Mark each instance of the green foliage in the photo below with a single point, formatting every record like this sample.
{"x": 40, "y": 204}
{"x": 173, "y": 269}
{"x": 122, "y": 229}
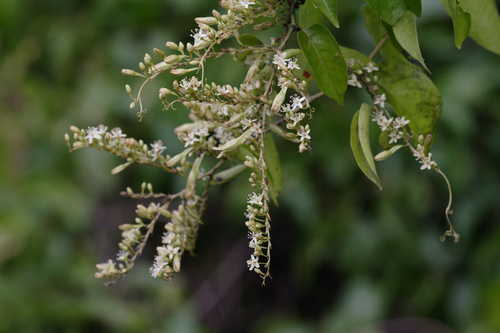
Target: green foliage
{"x": 58, "y": 211}
{"x": 405, "y": 31}
{"x": 325, "y": 58}
{"x": 360, "y": 144}
{"x": 329, "y": 8}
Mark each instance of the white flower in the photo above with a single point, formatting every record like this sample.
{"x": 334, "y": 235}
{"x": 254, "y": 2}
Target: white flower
{"x": 371, "y": 67}
{"x": 156, "y": 149}
{"x": 167, "y": 251}
{"x": 191, "y": 84}
{"x": 250, "y": 213}
{"x": 246, "y": 3}
{"x": 167, "y": 237}
{"x": 292, "y": 64}
{"x": 382, "y": 121}
{"x": 253, "y": 243}
{"x": 255, "y": 199}
{"x": 116, "y": 133}
{"x": 106, "y": 269}
{"x": 427, "y": 162}
{"x": 279, "y": 60}
{"x": 303, "y": 133}
{"x": 158, "y": 267}
{"x": 298, "y": 102}
{"x": 131, "y": 235}
{"x": 296, "y": 117}
{"x": 200, "y": 36}
{"x": 95, "y": 133}
{"x": 400, "y": 122}
{"x": 395, "y": 136}
{"x": 353, "y": 81}
{"x": 253, "y": 263}
{"x": 380, "y": 100}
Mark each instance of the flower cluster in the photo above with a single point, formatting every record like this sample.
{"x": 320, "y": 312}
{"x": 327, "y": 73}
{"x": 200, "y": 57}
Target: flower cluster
{"x": 179, "y": 236}
{"x": 117, "y": 143}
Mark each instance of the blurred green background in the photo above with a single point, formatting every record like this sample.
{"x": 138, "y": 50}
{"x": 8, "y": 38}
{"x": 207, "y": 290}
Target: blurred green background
{"x": 346, "y": 257}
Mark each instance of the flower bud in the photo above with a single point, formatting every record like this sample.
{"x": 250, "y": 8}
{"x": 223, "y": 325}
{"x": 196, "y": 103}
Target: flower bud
{"x": 131, "y": 73}
{"x": 279, "y": 99}
{"x": 206, "y": 20}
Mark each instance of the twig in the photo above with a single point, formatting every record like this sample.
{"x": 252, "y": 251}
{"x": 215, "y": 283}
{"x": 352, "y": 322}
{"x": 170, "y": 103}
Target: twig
{"x": 378, "y": 46}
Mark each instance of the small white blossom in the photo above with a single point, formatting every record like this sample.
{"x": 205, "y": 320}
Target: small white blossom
{"x": 246, "y": 3}
{"x": 395, "y": 136}
{"x": 380, "y": 100}
{"x": 253, "y": 263}
{"x": 353, "y": 81}
{"x": 200, "y": 36}
{"x": 255, "y": 199}
{"x": 156, "y": 149}
{"x": 298, "y": 102}
{"x": 303, "y": 133}
{"x": 371, "y": 67}
{"x": 167, "y": 251}
{"x": 116, "y": 133}
{"x": 427, "y": 162}
{"x": 400, "y": 122}
{"x": 95, "y": 133}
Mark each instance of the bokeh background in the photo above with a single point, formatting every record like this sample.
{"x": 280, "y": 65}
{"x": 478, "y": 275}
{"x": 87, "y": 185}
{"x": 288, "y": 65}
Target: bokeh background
{"x": 347, "y": 258}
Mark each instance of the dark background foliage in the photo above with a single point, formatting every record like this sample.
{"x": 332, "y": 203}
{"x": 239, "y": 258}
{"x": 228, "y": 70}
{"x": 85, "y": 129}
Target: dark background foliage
{"x": 347, "y": 258}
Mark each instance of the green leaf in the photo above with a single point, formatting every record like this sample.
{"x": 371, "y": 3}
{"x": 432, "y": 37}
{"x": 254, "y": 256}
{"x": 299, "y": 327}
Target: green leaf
{"x": 390, "y": 50}
{"x": 485, "y": 23}
{"x": 406, "y": 34}
{"x": 309, "y": 15}
{"x": 408, "y": 89}
{"x": 357, "y": 59}
{"x": 328, "y": 65}
{"x": 329, "y": 8}
{"x": 389, "y": 10}
{"x": 412, "y": 95}
{"x": 272, "y": 158}
{"x": 249, "y": 40}
{"x": 415, "y": 6}
{"x": 360, "y": 144}
{"x": 461, "y": 22}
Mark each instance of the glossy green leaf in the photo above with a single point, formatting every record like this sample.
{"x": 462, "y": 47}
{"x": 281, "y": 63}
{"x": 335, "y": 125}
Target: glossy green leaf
{"x": 329, "y": 8}
{"x": 309, "y": 15}
{"x": 485, "y": 23}
{"x": 272, "y": 158}
{"x": 360, "y": 145}
{"x": 406, "y": 34}
{"x": 415, "y": 6}
{"x": 325, "y": 58}
{"x": 389, "y": 10}
{"x": 412, "y": 94}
